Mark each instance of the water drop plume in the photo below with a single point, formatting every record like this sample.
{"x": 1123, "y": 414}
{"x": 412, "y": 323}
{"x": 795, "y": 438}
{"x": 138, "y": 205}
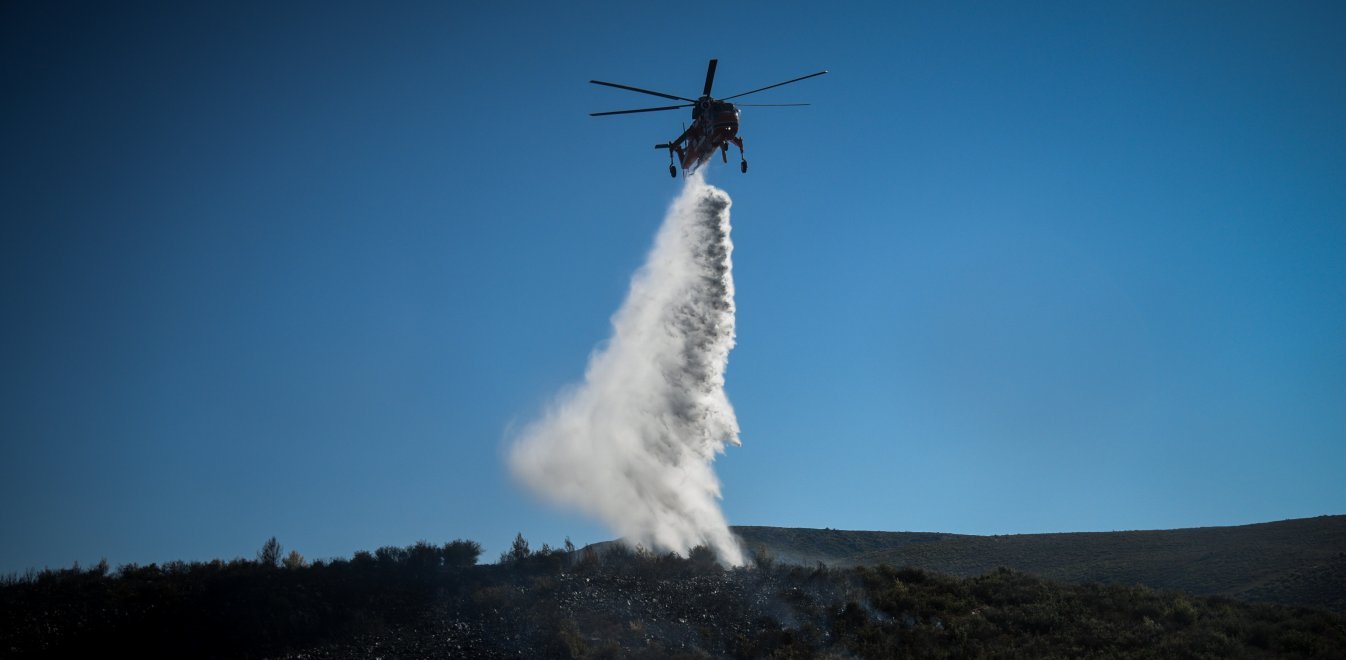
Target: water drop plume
{"x": 634, "y": 442}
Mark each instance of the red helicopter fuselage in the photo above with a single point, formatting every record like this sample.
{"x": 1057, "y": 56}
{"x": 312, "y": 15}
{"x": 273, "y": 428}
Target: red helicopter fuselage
{"x": 714, "y": 128}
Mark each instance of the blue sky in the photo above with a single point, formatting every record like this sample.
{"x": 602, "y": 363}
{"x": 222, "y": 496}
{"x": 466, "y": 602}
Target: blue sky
{"x": 296, "y": 269}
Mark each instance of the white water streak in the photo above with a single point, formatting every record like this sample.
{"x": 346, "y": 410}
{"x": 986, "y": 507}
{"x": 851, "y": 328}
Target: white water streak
{"x": 633, "y": 444}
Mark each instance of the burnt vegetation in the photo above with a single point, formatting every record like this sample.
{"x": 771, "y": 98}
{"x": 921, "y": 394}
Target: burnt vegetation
{"x": 430, "y": 600}
{"x": 1298, "y": 562}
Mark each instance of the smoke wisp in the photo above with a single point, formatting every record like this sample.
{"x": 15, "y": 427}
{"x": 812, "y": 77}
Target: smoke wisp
{"x": 634, "y": 442}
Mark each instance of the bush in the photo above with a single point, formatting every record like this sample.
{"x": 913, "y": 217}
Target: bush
{"x": 461, "y": 554}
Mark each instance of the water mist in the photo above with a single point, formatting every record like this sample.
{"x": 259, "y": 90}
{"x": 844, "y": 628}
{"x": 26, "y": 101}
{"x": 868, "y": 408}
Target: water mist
{"x": 634, "y": 442}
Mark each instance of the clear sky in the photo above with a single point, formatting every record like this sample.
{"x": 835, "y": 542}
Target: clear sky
{"x": 296, "y": 269}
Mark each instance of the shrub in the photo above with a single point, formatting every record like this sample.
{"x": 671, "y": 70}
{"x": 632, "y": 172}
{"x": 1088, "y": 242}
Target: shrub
{"x": 461, "y": 554}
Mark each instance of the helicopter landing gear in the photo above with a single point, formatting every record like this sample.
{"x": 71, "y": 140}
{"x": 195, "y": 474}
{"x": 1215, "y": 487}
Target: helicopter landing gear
{"x": 673, "y": 171}
{"x": 724, "y": 151}
{"x": 743, "y": 160}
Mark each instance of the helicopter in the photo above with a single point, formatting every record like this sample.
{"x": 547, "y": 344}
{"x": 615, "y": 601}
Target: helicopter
{"x": 714, "y": 123}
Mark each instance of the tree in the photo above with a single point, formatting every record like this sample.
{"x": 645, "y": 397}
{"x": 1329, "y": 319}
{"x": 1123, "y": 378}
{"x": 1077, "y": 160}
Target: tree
{"x": 422, "y": 555}
{"x": 518, "y": 551}
{"x": 702, "y": 557}
{"x": 391, "y": 555}
{"x": 295, "y": 560}
{"x": 762, "y": 558}
{"x": 461, "y": 554}
{"x": 269, "y": 555}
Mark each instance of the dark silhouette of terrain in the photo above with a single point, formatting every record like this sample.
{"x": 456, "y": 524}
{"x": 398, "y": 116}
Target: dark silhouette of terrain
{"x": 1291, "y": 562}
{"x": 434, "y": 601}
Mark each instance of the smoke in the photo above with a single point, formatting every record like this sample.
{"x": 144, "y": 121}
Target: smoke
{"x": 633, "y": 444}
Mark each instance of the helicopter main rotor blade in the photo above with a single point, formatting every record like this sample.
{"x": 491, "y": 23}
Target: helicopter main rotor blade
{"x": 769, "y": 105}
{"x": 642, "y": 91}
{"x": 775, "y": 85}
{"x": 627, "y": 112}
{"x": 710, "y": 77}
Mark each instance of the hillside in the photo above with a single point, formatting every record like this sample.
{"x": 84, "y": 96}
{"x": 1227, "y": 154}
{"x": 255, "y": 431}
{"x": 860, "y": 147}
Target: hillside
{"x": 432, "y": 601}
{"x": 1291, "y": 562}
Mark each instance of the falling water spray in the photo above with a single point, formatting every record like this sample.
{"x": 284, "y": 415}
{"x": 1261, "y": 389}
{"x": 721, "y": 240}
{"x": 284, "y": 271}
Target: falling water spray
{"x": 634, "y": 442}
